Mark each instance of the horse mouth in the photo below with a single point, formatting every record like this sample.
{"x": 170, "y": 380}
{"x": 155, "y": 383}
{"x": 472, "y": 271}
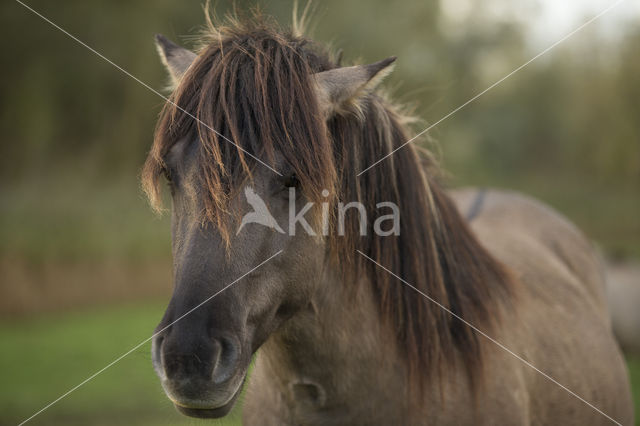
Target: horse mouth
{"x": 206, "y": 410}
{"x": 206, "y": 413}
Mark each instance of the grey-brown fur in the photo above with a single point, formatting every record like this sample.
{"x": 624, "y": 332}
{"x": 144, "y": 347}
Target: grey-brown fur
{"x": 560, "y": 325}
{"x": 342, "y": 341}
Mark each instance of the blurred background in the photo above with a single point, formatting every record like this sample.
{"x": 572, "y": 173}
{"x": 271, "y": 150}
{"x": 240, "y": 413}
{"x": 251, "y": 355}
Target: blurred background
{"x": 85, "y": 266}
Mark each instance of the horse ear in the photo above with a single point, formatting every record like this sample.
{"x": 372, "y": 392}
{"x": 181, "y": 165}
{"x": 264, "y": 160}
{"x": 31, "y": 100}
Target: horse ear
{"x": 177, "y": 59}
{"x": 339, "y": 88}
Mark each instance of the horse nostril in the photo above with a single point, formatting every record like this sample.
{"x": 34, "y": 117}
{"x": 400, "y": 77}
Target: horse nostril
{"x": 157, "y": 346}
{"x": 227, "y": 359}
{"x": 156, "y": 354}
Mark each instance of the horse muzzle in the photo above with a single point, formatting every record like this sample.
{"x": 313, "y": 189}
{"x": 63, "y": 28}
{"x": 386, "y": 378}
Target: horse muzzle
{"x": 202, "y": 377}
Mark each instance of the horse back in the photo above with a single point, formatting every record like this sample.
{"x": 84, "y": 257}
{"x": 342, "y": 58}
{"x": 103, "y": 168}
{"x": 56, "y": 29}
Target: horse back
{"x": 560, "y": 322}
{"x": 509, "y": 215}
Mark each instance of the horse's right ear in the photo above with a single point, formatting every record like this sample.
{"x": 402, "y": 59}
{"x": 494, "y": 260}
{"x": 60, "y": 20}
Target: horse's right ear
{"x": 177, "y": 59}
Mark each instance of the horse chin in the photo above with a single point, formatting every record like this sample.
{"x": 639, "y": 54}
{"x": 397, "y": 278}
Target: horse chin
{"x": 205, "y": 409}
{"x": 207, "y": 413}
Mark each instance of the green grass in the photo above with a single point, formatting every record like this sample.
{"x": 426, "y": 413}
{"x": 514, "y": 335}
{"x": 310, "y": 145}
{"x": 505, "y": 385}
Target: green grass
{"x": 43, "y": 358}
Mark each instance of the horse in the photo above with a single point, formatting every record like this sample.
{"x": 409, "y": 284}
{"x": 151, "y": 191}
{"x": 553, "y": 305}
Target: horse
{"x": 487, "y": 307}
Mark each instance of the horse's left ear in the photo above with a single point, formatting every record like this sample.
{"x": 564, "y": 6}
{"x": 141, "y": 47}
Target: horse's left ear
{"x": 339, "y": 89}
{"x": 177, "y": 59}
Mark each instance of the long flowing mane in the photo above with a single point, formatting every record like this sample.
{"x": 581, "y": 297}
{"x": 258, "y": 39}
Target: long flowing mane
{"x": 252, "y": 83}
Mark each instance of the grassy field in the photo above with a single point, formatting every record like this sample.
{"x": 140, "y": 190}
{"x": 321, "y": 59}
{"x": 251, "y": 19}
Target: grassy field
{"x": 40, "y": 359}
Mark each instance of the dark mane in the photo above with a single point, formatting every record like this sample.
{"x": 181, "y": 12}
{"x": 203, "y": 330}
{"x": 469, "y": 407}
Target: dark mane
{"x": 435, "y": 251}
{"x": 252, "y": 83}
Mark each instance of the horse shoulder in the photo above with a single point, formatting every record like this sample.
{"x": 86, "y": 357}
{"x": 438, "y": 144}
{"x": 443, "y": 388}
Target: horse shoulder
{"x": 507, "y": 217}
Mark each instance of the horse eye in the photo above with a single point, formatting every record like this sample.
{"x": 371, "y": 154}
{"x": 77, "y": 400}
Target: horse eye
{"x": 292, "y": 181}
{"x": 167, "y": 174}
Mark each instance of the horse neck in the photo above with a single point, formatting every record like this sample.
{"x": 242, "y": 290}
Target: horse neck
{"x": 334, "y": 353}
